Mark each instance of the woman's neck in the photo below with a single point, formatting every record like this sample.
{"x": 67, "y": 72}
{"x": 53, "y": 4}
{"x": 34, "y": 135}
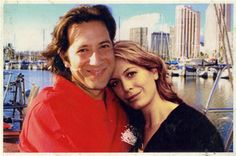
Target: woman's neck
{"x": 155, "y": 112}
{"x": 154, "y": 115}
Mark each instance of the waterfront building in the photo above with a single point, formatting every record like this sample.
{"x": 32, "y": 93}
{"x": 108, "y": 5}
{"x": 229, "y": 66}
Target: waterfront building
{"x": 139, "y": 35}
{"x": 213, "y": 41}
{"x": 187, "y": 32}
{"x": 160, "y": 44}
{"x": 8, "y": 52}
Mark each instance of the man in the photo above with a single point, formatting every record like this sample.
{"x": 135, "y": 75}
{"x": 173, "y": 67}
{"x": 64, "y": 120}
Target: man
{"x": 78, "y": 114}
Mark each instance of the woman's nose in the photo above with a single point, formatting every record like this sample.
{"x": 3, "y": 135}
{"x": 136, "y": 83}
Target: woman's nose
{"x": 127, "y": 85}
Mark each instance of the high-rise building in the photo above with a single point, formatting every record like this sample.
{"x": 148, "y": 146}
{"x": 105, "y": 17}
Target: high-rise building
{"x": 172, "y": 51}
{"x": 187, "y": 32}
{"x": 213, "y": 38}
{"x": 139, "y": 35}
{"x": 160, "y": 44}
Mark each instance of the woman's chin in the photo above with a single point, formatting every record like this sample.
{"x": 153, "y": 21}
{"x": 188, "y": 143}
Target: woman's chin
{"x": 136, "y": 106}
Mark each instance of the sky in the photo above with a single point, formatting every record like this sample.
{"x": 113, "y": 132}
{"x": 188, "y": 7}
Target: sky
{"x": 24, "y": 24}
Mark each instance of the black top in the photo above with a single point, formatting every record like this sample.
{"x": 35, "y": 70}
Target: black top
{"x": 185, "y": 130}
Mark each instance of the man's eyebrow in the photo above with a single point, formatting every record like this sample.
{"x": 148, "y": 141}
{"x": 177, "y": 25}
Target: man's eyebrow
{"x": 83, "y": 46}
{"x": 106, "y": 41}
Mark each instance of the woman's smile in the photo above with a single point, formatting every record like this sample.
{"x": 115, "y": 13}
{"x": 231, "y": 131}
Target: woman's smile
{"x": 133, "y": 97}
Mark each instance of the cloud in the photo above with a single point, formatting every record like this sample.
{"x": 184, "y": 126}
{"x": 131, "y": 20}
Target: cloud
{"x": 27, "y": 37}
{"x": 153, "y": 21}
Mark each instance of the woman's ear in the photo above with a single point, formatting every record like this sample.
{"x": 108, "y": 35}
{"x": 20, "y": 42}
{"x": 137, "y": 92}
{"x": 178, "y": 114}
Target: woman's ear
{"x": 66, "y": 63}
{"x": 155, "y": 73}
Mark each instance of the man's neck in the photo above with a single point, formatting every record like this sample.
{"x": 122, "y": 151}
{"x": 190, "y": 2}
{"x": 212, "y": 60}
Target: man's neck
{"x": 97, "y": 94}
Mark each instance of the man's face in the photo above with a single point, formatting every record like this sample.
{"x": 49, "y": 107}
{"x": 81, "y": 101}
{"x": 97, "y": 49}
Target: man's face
{"x": 90, "y": 55}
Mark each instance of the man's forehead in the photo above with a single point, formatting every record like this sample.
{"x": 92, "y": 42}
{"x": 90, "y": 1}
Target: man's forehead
{"x": 77, "y": 29}
{"x": 73, "y": 31}
{"x": 77, "y": 26}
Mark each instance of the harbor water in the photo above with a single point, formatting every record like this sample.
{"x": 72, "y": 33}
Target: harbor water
{"x": 194, "y": 90}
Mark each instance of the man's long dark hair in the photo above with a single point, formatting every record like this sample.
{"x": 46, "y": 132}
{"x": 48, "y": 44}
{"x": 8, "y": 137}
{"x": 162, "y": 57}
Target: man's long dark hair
{"x": 60, "y": 43}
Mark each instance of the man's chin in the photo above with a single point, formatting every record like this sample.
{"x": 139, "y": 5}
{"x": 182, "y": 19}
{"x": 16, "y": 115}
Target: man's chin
{"x": 97, "y": 87}
{"x": 96, "y": 91}
{"x": 97, "y": 83}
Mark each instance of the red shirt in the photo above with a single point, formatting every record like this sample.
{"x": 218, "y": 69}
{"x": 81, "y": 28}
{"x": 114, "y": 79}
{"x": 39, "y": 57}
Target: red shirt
{"x": 65, "y": 119}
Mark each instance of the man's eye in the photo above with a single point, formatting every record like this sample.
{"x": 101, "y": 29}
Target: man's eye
{"x": 105, "y": 46}
{"x": 82, "y": 50}
{"x": 131, "y": 74}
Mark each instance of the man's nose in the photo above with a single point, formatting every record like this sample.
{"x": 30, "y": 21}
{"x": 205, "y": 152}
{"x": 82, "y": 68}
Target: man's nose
{"x": 94, "y": 59}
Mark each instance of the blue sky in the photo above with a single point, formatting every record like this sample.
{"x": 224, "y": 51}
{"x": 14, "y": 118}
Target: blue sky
{"x": 168, "y": 10}
{"x": 24, "y": 23}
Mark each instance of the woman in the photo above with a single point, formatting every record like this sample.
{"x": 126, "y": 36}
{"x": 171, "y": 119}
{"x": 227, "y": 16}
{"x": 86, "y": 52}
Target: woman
{"x": 166, "y": 123}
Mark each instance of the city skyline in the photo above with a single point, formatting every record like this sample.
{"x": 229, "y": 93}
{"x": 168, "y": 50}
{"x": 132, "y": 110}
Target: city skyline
{"x": 25, "y": 25}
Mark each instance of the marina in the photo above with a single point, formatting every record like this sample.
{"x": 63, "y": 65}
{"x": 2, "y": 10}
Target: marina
{"x": 26, "y": 65}
{"x": 195, "y": 41}
{"x": 197, "y": 67}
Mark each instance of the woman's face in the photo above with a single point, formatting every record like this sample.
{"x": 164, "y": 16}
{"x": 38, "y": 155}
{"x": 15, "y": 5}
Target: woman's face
{"x": 133, "y": 84}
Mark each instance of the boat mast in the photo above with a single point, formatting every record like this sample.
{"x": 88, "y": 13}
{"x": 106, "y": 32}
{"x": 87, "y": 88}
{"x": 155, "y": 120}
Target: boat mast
{"x": 219, "y": 16}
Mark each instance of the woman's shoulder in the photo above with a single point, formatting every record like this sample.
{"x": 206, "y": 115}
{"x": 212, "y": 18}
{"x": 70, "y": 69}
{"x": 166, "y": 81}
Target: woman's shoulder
{"x": 187, "y": 112}
{"x": 192, "y": 123}
{"x": 185, "y": 116}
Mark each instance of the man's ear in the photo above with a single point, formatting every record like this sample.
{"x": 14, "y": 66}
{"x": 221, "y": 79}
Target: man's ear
{"x": 66, "y": 63}
{"x": 155, "y": 73}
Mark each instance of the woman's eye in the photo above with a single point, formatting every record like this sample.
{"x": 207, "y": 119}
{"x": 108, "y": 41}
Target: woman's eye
{"x": 105, "y": 46}
{"x": 113, "y": 84}
{"x": 131, "y": 74}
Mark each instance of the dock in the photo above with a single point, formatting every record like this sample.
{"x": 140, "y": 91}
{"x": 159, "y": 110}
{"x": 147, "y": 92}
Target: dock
{"x": 15, "y": 106}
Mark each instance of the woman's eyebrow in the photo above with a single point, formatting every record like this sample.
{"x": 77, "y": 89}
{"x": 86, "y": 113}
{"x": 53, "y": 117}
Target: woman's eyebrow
{"x": 128, "y": 69}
